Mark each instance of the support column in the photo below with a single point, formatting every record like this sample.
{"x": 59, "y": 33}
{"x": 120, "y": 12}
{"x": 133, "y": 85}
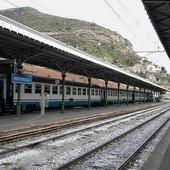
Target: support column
{"x": 63, "y": 93}
{"x": 148, "y": 96}
{"x": 118, "y": 95}
{"x": 154, "y": 93}
{"x": 127, "y": 93}
{"x": 152, "y": 96}
{"x": 18, "y": 106}
{"x": 106, "y": 83}
{"x": 89, "y": 89}
{"x": 19, "y": 101}
{"x": 139, "y": 95}
{"x": 134, "y": 95}
{"x": 4, "y": 88}
{"x": 3, "y": 100}
{"x": 144, "y": 95}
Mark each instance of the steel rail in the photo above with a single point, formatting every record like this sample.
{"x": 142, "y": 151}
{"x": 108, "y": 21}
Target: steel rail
{"x": 23, "y": 135}
{"x": 131, "y": 157}
{"x": 88, "y": 153}
{"x": 69, "y": 133}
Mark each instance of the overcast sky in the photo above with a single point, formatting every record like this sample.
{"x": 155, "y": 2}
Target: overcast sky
{"x": 127, "y": 17}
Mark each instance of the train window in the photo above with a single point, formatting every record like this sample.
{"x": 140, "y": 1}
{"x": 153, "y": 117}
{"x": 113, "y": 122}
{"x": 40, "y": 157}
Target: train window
{"x": 68, "y": 90}
{"x": 84, "y": 91}
{"x": 55, "y": 89}
{"x": 28, "y": 88}
{"x": 61, "y": 90}
{"x": 16, "y": 88}
{"x": 92, "y": 92}
{"x": 74, "y": 91}
{"x": 79, "y": 91}
{"x": 37, "y": 88}
{"x": 96, "y": 92}
{"x": 47, "y": 89}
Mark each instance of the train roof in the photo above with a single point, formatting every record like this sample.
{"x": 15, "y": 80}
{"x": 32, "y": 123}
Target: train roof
{"x": 50, "y": 80}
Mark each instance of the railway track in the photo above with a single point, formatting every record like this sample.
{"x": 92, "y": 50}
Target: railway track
{"x": 75, "y": 163}
{"x": 7, "y": 150}
{"x": 127, "y": 161}
{"x": 28, "y": 134}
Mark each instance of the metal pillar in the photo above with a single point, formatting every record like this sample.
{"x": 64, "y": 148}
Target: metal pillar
{"x": 118, "y": 95}
{"x": 134, "y": 95}
{"x": 127, "y": 100}
{"x": 106, "y": 83}
{"x": 152, "y": 96}
{"x": 63, "y": 93}
{"x": 144, "y": 95}
{"x": 148, "y": 96}
{"x": 4, "y": 88}
{"x": 18, "y": 107}
{"x": 139, "y": 95}
{"x": 89, "y": 88}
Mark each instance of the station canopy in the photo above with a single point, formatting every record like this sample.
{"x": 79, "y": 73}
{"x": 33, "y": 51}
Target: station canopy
{"x": 159, "y": 13}
{"x": 29, "y": 46}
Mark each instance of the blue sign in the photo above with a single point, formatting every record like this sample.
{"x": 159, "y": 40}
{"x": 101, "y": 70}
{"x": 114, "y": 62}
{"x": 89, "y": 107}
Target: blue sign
{"x": 21, "y": 79}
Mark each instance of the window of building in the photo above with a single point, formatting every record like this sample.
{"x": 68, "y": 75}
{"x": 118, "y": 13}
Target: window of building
{"x": 68, "y": 90}
{"x": 61, "y": 89}
{"x": 108, "y": 93}
{"x": 96, "y": 92}
{"x": 28, "y": 88}
{"x": 79, "y": 91}
{"x": 92, "y": 92}
{"x": 47, "y": 89}
{"x": 84, "y": 91}
{"x": 16, "y": 88}
{"x": 55, "y": 89}
{"x": 38, "y": 88}
{"x": 74, "y": 91}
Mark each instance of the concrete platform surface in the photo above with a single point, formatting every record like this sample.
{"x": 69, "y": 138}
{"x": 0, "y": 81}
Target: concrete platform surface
{"x": 160, "y": 158}
{"x": 25, "y": 120}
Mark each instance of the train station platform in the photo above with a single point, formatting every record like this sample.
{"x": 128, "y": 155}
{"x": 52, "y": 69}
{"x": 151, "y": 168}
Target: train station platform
{"x": 35, "y": 119}
{"x": 160, "y": 158}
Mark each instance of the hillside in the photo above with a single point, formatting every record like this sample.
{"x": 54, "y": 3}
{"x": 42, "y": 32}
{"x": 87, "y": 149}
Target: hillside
{"x": 85, "y": 36}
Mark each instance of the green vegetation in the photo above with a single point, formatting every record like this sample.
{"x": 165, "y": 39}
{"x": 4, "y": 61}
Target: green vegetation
{"x": 86, "y": 36}
{"x": 6, "y": 164}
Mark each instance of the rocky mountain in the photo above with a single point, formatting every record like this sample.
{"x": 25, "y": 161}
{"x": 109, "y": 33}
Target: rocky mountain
{"x": 86, "y": 36}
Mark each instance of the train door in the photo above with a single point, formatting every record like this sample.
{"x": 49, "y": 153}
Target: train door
{"x": 133, "y": 97}
{"x": 103, "y": 95}
{"x": 1, "y": 93}
{"x": 7, "y": 67}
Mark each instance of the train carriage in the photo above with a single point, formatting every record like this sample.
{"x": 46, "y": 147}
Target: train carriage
{"x": 76, "y": 94}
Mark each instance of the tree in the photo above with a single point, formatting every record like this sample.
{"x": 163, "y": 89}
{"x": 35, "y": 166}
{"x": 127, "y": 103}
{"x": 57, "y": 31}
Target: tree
{"x": 163, "y": 70}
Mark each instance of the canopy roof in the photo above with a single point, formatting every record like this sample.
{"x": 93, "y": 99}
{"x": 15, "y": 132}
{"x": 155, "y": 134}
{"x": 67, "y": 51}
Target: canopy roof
{"x": 29, "y": 46}
{"x": 159, "y": 13}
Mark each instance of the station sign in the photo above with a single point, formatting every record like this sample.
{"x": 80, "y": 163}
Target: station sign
{"x": 21, "y": 79}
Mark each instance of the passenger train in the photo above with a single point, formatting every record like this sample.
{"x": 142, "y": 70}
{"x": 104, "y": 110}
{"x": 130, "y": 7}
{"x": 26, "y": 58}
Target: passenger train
{"x": 76, "y": 94}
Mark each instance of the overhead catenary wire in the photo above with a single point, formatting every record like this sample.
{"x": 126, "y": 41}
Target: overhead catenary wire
{"x": 24, "y": 10}
{"x": 130, "y": 30}
{"x": 137, "y": 23}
